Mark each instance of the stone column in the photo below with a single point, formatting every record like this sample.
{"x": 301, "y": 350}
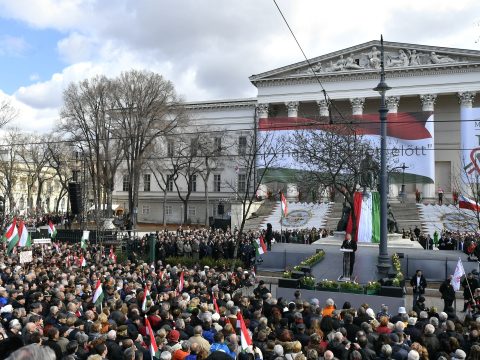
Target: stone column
{"x": 466, "y": 103}
{"x": 357, "y": 105}
{"x": 392, "y": 103}
{"x": 466, "y": 99}
{"x": 292, "y": 192}
{"x": 428, "y": 104}
{"x": 262, "y": 110}
{"x": 292, "y": 108}
{"x": 323, "y": 108}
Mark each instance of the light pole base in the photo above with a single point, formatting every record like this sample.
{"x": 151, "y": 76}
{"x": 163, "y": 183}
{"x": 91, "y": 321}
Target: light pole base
{"x": 383, "y": 265}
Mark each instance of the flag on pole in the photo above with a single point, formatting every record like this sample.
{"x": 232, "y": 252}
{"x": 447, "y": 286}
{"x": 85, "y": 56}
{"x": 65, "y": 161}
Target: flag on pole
{"x": 457, "y": 275}
{"x": 146, "y": 298}
{"x": 25, "y": 239}
{"x": 466, "y": 203}
{"x": 112, "y": 255}
{"x": 153, "y": 344}
{"x": 245, "y": 338}
{"x": 98, "y": 295}
{"x": 85, "y": 236}
{"x": 181, "y": 283}
{"x": 260, "y": 247}
{"x": 11, "y": 236}
{"x": 52, "y": 231}
{"x": 284, "y": 205}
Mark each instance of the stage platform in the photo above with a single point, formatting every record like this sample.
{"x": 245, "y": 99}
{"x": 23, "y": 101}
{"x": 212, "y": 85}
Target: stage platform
{"x": 394, "y": 241}
{"x": 436, "y": 264}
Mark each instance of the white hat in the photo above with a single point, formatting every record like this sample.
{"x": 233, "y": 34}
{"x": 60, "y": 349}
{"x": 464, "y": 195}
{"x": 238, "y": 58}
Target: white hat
{"x": 401, "y": 310}
{"x": 14, "y": 322}
{"x": 459, "y": 355}
{"x": 6, "y": 309}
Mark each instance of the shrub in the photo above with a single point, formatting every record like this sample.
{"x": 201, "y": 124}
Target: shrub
{"x": 206, "y": 261}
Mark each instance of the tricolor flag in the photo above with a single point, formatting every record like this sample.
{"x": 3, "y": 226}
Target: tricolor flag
{"x": 52, "y": 231}
{"x": 245, "y": 338}
{"x": 82, "y": 262}
{"x": 366, "y": 208}
{"x": 466, "y": 203}
{"x": 11, "y": 236}
{"x": 98, "y": 295}
{"x": 153, "y": 344}
{"x": 25, "y": 239}
{"x": 57, "y": 247}
{"x": 215, "y": 305}
{"x": 181, "y": 283}
{"x": 284, "y": 205}
{"x": 260, "y": 247}
{"x": 85, "y": 236}
{"x": 457, "y": 275}
{"x": 112, "y": 255}
{"x": 146, "y": 298}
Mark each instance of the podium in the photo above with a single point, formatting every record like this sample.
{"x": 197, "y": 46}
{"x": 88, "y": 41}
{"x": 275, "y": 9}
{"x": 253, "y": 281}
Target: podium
{"x": 346, "y": 265}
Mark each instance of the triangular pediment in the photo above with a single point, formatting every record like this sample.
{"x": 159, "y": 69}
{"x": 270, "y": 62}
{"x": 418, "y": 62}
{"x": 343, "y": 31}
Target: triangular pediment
{"x": 366, "y": 58}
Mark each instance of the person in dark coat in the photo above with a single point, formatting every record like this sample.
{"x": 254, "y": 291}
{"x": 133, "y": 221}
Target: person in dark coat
{"x": 448, "y": 293}
{"x": 418, "y": 283}
{"x": 269, "y": 236}
{"x": 469, "y": 285}
{"x": 349, "y": 244}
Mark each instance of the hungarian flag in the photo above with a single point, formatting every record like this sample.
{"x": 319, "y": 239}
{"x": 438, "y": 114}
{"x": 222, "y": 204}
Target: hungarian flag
{"x": 85, "y": 236}
{"x": 215, "y": 305}
{"x": 367, "y": 212}
{"x": 112, "y": 255}
{"x": 153, "y": 344}
{"x": 260, "y": 246}
{"x": 82, "y": 262}
{"x": 52, "y": 231}
{"x": 284, "y": 205}
{"x": 98, "y": 295}
{"x": 25, "y": 239}
{"x": 146, "y": 298}
{"x": 457, "y": 275}
{"x": 245, "y": 338}
{"x": 181, "y": 283}
{"x": 56, "y": 245}
{"x": 11, "y": 236}
{"x": 466, "y": 203}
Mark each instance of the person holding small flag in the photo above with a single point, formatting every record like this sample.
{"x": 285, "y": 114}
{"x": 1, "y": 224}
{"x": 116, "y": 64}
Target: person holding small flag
{"x": 469, "y": 284}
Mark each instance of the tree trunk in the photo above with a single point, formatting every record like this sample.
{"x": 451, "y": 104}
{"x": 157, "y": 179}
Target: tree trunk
{"x": 207, "y": 202}
{"x": 164, "y": 204}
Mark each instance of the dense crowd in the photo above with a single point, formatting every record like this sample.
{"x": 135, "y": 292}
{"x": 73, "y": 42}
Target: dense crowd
{"x": 47, "y": 312}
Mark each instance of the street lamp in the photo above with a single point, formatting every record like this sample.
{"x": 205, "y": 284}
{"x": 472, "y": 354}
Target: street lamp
{"x": 383, "y": 263}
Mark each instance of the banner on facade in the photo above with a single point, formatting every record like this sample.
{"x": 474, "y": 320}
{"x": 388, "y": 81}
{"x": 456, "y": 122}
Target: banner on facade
{"x": 42, "y": 241}
{"x": 410, "y": 139}
{"x": 26, "y": 257}
{"x": 470, "y": 143}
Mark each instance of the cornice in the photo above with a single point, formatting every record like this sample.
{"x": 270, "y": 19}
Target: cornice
{"x": 456, "y": 68}
{"x": 221, "y": 105}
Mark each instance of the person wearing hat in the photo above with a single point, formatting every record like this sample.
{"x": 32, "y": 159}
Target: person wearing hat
{"x": 459, "y": 355}
{"x": 448, "y": 293}
{"x": 173, "y": 339}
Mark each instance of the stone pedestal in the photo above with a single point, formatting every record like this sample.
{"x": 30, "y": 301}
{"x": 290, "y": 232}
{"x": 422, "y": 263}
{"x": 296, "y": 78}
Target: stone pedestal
{"x": 292, "y": 192}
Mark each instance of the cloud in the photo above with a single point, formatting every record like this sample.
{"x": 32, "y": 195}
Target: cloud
{"x": 13, "y": 46}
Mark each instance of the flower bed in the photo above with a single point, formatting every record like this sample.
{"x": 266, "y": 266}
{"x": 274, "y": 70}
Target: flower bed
{"x": 310, "y": 261}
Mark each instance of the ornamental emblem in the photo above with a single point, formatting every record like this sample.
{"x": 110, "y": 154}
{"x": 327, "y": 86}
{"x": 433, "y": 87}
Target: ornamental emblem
{"x": 296, "y": 218}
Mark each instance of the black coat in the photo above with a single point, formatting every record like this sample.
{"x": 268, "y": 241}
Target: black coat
{"x": 418, "y": 289}
{"x": 447, "y": 291}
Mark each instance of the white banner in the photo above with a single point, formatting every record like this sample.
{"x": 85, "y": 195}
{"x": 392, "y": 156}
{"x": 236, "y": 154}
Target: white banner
{"x": 26, "y": 257}
{"x": 42, "y": 241}
{"x": 470, "y": 143}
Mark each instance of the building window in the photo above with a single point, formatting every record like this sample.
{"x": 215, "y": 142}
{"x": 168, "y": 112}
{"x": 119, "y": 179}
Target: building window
{"x": 169, "y": 182}
{"x": 242, "y": 183}
{"x": 192, "y": 211}
{"x": 170, "y": 148}
{"x": 217, "y": 183}
{"x": 168, "y": 210}
{"x": 193, "y": 183}
{"x": 242, "y": 145}
{"x": 146, "y": 209}
{"x": 194, "y": 146}
{"x": 126, "y": 183}
{"x": 217, "y": 145}
{"x": 146, "y": 182}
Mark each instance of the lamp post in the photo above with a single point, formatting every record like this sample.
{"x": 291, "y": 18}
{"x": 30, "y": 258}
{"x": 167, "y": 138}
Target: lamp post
{"x": 383, "y": 263}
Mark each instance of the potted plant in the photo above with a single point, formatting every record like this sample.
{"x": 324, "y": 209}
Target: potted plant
{"x": 327, "y": 285}
{"x": 372, "y": 288}
{"x": 287, "y": 274}
{"x": 351, "y": 287}
{"x": 307, "y": 282}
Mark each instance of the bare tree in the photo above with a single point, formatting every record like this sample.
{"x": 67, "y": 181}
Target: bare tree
{"x": 7, "y": 112}
{"x": 9, "y": 169}
{"x": 146, "y": 108}
{"x": 58, "y": 161}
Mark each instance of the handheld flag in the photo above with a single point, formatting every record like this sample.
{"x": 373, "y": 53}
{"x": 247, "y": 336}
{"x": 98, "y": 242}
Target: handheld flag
{"x": 146, "y": 298}
{"x": 260, "y": 247}
{"x": 52, "y": 231}
{"x": 25, "y": 239}
{"x": 181, "y": 283}
{"x": 85, "y": 236}
{"x": 98, "y": 295}
{"x": 284, "y": 205}
{"x": 153, "y": 343}
{"x": 82, "y": 262}
{"x": 245, "y": 338}
{"x": 457, "y": 275}
{"x": 11, "y": 236}
{"x": 112, "y": 255}
{"x": 215, "y": 305}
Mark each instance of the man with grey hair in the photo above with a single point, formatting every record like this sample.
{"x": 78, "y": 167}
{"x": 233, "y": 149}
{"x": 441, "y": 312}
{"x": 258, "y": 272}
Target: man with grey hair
{"x": 114, "y": 350}
{"x": 165, "y": 355}
{"x": 430, "y": 341}
{"x": 128, "y": 354}
{"x": 33, "y": 351}
{"x": 197, "y": 338}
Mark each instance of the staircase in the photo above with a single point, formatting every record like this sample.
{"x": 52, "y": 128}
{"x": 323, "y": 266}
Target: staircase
{"x": 334, "y": 216}
{"x": 256, "y": 221}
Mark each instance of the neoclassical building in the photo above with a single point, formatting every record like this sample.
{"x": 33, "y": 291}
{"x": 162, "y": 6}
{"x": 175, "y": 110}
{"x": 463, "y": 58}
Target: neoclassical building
{"x": 432, "y": 80}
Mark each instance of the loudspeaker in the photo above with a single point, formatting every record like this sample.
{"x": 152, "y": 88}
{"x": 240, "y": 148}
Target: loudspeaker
{"x": 75, "y": 194}
{"x": 220, "y": 209}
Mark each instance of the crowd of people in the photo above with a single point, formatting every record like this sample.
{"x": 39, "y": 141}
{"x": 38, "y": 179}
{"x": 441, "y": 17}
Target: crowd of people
{"x": 47, "y": 311}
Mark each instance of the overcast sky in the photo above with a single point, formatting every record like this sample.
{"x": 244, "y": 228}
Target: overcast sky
{"x": 208, "y": 48}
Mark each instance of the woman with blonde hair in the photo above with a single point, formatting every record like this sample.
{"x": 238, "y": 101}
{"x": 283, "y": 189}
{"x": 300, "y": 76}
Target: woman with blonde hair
{"x": 421, "y": 350}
